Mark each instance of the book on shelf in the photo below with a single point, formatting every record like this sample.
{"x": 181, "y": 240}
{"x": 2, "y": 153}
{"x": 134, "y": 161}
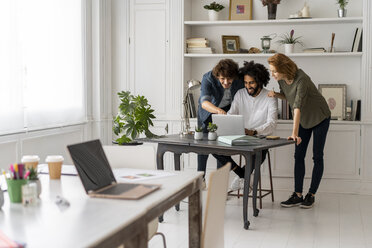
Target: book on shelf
{"x": 197, "y": 45}
{"x": 239, "y": 140}
{"x": 355, "y": 109}
{"x": 358, "y": 40}
{"x": 200, "y": 50}
{"x": 192, "y": 108}
{"x": 314, "y": 50}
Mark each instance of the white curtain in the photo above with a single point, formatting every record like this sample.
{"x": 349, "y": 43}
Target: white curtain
{"x": 46, "y": 78}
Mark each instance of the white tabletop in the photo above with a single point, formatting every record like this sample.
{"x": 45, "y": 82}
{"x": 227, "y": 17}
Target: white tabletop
{"x": 87, "y": 220}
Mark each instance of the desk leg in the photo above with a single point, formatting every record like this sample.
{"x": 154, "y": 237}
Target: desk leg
{"x": 160, "y": 156}
{"x": 257, "y": 172}
{"x": 139, "y": 240}
{"x": 247, "y": 178}
{"x": 195, "y": 219}
{"x": 160, "y": 165}
{"x": 177, "y": 166}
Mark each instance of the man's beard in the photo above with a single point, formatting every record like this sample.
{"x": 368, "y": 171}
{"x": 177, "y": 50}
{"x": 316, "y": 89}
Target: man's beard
{"x": 255, "y": 90}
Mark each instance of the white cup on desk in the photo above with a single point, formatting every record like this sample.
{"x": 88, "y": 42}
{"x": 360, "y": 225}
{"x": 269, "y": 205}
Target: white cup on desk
{"x": 30, "y": 161}
{"x": 54, "y": 165}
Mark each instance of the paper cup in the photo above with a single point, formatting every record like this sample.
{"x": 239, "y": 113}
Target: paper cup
{"x": 55, "y": 166}
{"x": 30, "y": 161}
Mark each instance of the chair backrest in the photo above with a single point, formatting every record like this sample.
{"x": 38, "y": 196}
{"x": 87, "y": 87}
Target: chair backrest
{"x": 214, "y": 218}
{"x": 140, "y": 156}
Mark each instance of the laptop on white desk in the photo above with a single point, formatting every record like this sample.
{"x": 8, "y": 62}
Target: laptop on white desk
{"x": 229, "y": 124}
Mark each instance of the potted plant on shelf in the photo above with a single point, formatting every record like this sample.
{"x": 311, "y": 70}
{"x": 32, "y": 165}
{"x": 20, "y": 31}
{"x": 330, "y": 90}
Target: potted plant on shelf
{"x": 342, "y": 4}
{"x": 134, "y": 118}
{"x": 289, "y": 41}
{"x": 198, "y": 135}
{"x": 271, "y": 8}
{"x": 212, "y": 135}
{"x": 213, "y": 10}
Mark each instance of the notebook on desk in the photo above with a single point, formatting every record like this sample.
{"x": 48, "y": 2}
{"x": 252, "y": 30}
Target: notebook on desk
{"x": 97, "y": 177}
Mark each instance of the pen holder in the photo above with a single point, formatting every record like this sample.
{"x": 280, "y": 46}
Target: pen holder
{"x": 15, "y": 189}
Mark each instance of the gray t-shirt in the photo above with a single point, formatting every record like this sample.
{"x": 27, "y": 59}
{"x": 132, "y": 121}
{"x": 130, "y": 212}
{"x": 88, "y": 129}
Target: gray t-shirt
{"x": 303, "y": 94}
{"x": 226, "y": 99}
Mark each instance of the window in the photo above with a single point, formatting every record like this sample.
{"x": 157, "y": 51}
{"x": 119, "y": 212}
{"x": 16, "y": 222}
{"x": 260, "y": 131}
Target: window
{"x": 41, "y": 64}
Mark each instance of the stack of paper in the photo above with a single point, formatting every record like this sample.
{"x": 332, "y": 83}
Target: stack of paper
{"x": 239, "y": 140}
{"x": 198, "y": 45}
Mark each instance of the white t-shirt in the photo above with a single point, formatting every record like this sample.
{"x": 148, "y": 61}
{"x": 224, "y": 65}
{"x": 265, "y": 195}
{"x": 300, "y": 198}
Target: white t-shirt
{"x": 260, "y": 112}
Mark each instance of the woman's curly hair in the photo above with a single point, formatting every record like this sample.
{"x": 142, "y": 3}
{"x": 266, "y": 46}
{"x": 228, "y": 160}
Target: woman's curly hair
{"x": 257, "y": 71}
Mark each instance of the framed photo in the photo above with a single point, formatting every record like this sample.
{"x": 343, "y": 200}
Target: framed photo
{"x": 335, "y": 95}
{"x": 240, "y": 10}
{"x": 230, "y": 44}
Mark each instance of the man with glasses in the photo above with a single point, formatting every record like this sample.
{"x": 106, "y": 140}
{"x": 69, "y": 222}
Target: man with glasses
{"x": 218, "y": 88}
{"x": 259, "y": 110}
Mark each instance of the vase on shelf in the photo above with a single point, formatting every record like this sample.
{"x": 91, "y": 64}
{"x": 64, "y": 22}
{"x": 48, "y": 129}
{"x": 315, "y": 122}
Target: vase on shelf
{"x": 288, "y": 48}
{"x": 213, "y": 15}
{"x": 341, "y": 12}
{"x": 271, "y": 11}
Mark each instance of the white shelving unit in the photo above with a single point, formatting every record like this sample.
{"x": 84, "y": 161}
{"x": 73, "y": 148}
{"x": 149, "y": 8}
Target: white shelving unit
{"x": 266, "y": 55}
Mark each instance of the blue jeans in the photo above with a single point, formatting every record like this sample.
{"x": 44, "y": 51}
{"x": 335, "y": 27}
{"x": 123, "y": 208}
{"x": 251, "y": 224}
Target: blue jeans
{"x": 319, "y": 138}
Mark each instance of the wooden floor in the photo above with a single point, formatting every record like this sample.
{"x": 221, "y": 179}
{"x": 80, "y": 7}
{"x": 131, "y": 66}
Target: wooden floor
{"x": 336, "y": 220}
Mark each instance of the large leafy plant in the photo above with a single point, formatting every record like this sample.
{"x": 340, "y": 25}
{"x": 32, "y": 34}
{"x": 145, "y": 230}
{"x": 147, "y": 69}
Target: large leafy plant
{"x": 134, "y": 117}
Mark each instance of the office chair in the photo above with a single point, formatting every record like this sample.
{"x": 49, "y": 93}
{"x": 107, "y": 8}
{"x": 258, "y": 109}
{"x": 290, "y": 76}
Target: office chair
{"x": 214, "y": 219}
{"x": 138, "y": 157}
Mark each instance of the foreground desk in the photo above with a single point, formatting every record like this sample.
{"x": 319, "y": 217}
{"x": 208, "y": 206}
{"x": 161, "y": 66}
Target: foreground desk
{"x": 94, "y": 222}
{"x": 185, "y": 144}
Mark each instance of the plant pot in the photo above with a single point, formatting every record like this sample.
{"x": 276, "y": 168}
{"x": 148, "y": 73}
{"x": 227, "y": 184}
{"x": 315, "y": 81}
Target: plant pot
{"x": 212, "y": 136}
{"x": 288, "y": 48}
{"x": 271, "y": 11}
{"x": 38, "y": 186}
{"x": 198, "y": 135}
{"x": 213, "y": 15}
{"x": 341, "y": 12}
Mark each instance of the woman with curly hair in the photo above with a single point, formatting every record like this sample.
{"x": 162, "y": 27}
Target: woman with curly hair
{"x": 260, "y": 111}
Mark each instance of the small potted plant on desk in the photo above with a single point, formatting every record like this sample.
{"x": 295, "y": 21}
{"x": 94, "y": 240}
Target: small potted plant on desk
{"x": 134, "y": 118}
{"x": 213, "y": 10}
{"x": 289, "y": 41}
{"x": 212, "y": 135}
{"x": 33, "y": 178}
{"x": 198, "y": 135}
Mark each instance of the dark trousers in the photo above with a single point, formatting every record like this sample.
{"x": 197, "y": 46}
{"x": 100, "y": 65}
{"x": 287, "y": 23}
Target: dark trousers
{"x": 202, "y": 159}
{"x": 234, "y": 166}
{"x": 319, "y": 138}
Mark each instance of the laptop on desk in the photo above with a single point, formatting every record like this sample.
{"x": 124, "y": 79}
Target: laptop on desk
{"x": 229, "y": 124}
{"x": 97, "y": 177}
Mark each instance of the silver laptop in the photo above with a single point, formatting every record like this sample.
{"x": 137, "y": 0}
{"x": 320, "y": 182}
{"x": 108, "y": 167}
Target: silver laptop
{"x": 229, "y": 124}
{"x": 97, "y": 177}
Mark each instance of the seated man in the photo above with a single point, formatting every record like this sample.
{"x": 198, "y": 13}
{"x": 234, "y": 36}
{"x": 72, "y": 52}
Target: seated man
{"x": 260, "y": 111}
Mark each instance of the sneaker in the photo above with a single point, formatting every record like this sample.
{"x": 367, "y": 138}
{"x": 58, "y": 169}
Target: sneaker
{"x": 293, "y": 200}
{"x": 308, "y": 201}
{"x": 237, "y": 183}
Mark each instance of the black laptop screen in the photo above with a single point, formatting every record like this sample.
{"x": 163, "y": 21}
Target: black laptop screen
{"x": 92, "y": 165}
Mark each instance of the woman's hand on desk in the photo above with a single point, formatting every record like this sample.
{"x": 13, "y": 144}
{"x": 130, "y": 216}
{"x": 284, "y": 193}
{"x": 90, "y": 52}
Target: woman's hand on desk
{"x": 296, "y": 138}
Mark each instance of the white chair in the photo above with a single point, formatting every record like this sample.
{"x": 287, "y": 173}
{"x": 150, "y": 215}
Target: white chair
{"x": 214, "y": 219}
{"x": 139, "y": 157}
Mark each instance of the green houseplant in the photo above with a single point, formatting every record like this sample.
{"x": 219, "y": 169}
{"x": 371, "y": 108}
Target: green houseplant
{"x": 198, "y": 135}
{"x": 134, "y": 117}
{"x": 212, "y": 128}
{"x": 342, "y": 4}
{"x": 33, "y": 177}
{"x": 213, "y": 9}
{"x": 288, "y": 40}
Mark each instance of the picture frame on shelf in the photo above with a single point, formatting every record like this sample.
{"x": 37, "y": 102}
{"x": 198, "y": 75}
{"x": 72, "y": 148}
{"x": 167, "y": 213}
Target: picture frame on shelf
{"x": 230, "y": 44}
{"x": 335, "y": 96}
{"x": 240, "y": 10}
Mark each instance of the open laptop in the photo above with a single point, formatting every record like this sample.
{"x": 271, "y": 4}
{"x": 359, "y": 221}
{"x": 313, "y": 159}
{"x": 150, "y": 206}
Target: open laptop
{"x": 97, "y": 177}
{"x": 229, "y": 124}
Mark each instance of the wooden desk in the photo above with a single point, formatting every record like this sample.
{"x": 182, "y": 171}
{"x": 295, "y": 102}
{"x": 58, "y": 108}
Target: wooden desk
{"x": 185, "y": 144}
{"x": 94, "y": 222}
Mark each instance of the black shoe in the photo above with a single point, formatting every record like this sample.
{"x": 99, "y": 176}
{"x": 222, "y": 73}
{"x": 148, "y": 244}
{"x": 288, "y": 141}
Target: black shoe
{"x": 294, "y": 200}
{"x": 308, "y": 201}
